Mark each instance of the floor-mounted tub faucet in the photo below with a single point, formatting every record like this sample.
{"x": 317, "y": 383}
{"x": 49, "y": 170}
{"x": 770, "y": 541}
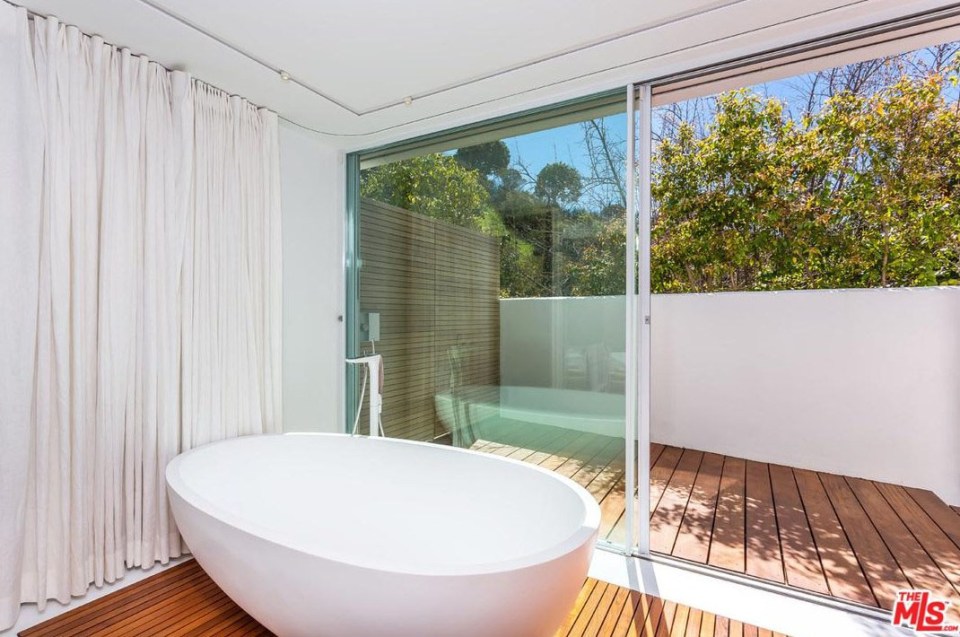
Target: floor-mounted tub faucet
{"x": 374, "y": 364}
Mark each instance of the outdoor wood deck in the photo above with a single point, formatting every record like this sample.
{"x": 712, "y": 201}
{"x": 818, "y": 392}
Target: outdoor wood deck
{"x": 184, "y": 601}
{"x": 838, "y": 536}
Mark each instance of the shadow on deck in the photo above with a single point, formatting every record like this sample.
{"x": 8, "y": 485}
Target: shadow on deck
{"x": 837, "y": 536}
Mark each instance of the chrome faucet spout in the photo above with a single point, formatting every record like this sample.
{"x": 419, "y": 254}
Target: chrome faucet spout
{"x": 374, "y": 364}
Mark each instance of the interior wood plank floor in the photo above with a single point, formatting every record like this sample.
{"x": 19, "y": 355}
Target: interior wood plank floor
{"x": 183, "y": 601}
{"x": 838, "y": 536}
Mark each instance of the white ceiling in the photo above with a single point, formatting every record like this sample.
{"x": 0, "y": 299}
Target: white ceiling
{"x": 354, "y": 62}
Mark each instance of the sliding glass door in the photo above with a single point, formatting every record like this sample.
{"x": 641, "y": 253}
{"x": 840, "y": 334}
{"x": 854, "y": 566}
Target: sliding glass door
{"x": 680, "y": 297}
{"x": 806, "y": 233}
{"x": 492, "y": 279}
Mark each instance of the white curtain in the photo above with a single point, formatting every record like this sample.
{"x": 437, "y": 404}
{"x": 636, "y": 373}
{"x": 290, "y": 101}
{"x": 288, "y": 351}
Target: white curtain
{"x": 140, "y": 254}
{"x": 21, "y": 159}
{"x": 232, "y": 266}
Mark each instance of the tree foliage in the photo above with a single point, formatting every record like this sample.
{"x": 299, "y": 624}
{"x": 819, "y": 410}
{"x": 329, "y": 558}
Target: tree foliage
{"x": 559, "y": 184}
{"x": 476, "y": 187}
{"x": 858, "y": 187}
{"x": 434, "y": 185}
{"x": 490, "y": 159}
{"x": 864, "y": 193}
{"x": 601, "y": 269}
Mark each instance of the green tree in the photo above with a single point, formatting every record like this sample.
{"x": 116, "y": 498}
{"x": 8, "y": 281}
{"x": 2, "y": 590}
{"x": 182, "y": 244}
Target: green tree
{"x": 530, "y": 224}
{"x": 601, "y": 268}
{"x": 559, "y": 184}
{"x": 860, "y": 190}
{"x": 520, "y": 268}
{"x": 863, "y": 193}
{"x": 490, "y": 159}
{"x": 434, "y": 185}
{"x": 894, "y": 196}
{"x": 443, "y": 187}
{"x": 727, "y": 203}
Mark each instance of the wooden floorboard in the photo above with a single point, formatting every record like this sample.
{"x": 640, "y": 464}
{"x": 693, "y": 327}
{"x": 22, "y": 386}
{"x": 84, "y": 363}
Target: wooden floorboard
{"x": 727, "y": 546}
{"x": 855, "y": 540}
{"x": 696, "y": 528}
{"x": 844, "y": 574}
{"x": 947, "y": 518}
{"x": 607, "y": 610}
{"x": 668, "y": 514}
{"x": 764, "y": 556}
{"x": 934, "y": 541}
{"x": 160, "y": 604}
{"x": 183, "y": 601}
{"x": 801, "y": 562}
{"x": 914, "y": 561}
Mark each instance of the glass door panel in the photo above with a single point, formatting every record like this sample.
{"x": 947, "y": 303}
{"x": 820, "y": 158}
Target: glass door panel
{"x": 492, "y": 281}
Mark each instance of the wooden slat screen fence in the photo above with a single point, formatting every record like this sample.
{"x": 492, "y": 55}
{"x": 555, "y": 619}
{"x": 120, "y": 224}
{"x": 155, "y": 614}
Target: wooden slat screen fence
{"x": 436, "y": 286}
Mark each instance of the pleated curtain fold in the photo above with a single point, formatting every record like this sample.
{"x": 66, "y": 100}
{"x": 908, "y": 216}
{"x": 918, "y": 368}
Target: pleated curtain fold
{"x": 140, "y": 277}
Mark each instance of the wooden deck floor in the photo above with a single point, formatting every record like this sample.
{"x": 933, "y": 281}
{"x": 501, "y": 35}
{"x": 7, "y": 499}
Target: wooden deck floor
{"x": 838, "y": 536}
{"x": 608, "y": 610}
{"x": 182, "y": 601}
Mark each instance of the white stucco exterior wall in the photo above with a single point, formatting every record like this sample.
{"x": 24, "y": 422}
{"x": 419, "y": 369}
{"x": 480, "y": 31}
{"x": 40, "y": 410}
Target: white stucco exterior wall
{"x": 859, "y": 382}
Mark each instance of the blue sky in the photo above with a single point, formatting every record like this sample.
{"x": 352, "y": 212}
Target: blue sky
{"x": 565, "y": 144}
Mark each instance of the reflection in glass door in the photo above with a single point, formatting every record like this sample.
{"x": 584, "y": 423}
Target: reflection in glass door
{"x": 494, "y": 276}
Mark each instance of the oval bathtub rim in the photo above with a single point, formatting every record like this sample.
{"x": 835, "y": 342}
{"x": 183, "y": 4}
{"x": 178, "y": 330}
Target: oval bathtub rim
{"x": 589, "y": 526}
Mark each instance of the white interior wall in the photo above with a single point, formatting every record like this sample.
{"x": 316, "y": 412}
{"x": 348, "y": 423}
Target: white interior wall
{"x": 857, "y": 382}
{"x": 312, "y": 183}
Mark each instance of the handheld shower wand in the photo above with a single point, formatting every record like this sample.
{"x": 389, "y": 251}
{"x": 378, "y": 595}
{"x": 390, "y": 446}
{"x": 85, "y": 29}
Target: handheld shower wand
{"x": 374, "y": 364}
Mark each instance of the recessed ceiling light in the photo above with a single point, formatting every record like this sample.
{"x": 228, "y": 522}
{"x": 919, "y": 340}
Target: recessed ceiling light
{"x": 408, "y": 100}
{"x": 284, "y": 76}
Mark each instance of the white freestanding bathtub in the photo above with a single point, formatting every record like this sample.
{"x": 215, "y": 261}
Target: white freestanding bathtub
{"x": 327, "y": 534}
